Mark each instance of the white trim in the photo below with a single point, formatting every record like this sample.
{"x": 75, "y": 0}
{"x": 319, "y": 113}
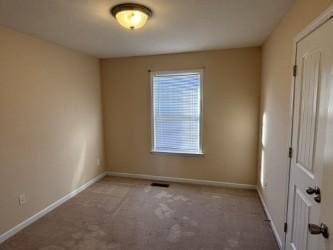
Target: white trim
{"x": 177, "y": 153}
{"x": 182, "y": 180}
{"x": 48, "y": 209}
{"x": 275, "y": 232}
{"x": 321, "y": 19}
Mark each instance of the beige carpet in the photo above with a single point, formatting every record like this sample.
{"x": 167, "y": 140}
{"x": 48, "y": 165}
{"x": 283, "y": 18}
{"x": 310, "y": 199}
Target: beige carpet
{"x": 120, "y": 213}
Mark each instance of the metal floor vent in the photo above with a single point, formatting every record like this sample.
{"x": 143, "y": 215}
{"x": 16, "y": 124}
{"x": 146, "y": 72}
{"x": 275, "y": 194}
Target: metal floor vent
{"x": 158, "y": 184}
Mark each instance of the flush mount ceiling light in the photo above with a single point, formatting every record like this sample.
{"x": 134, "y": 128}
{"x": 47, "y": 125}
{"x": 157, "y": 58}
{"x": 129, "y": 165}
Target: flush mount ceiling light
{"x": 131, "y": 15}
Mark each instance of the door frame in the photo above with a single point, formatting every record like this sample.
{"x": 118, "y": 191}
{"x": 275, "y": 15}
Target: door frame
{"x": 325, "y": 16}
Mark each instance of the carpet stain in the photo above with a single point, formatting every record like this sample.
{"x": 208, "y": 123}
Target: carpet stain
{"x": 180, "y": 197}
{"x": 188, "y": 234}
{"x": 147, "y": 189}
{"x": 171, "y": 197}
{"x": 216, "y": 196}
{"x": 163, "y": 194}
{"x": 233, "y": 243}
{"x": 175, "y": 233}
{"x": 190, "y": 221}
{"x": 163, "y": 211}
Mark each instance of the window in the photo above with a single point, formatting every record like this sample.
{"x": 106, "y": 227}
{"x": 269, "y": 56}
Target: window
{"x": 176, "y": 108}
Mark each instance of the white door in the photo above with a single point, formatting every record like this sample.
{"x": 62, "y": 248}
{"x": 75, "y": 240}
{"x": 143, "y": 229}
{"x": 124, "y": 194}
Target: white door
{"x": 313, "y": 79}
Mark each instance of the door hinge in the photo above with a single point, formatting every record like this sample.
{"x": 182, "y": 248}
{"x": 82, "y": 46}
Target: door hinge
{"x": 295, "y": 70}
{"x": 290, "y": 153}
{"x": 285, "y": 227}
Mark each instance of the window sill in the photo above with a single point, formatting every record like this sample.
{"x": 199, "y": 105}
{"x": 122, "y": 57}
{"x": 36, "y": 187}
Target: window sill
{"x": 177, "y": 153}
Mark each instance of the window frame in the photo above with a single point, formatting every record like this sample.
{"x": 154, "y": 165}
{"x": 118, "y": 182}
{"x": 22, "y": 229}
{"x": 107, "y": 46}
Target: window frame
{"x": 200, "y": 71}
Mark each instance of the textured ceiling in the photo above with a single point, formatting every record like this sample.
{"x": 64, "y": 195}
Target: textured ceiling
{"x": 176, "y": 25}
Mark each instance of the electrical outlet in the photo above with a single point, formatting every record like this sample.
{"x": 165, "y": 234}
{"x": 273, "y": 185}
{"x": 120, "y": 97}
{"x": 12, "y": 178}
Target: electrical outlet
{"x": 22, "y": 199}
{"x": 98, "y": 162}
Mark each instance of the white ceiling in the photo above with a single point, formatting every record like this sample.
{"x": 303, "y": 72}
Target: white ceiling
{"x": 176, "y": 25}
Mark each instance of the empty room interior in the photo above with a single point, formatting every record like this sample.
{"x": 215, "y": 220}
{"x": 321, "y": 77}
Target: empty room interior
{"x": 166, "y": 124}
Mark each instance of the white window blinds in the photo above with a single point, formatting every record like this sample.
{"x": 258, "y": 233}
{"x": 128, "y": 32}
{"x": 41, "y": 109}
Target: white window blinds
{"x": 176, "y": 112}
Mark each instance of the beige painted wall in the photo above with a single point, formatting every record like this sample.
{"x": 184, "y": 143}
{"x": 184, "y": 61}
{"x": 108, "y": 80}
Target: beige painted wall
{"x": 50, "y": 123}
{"x": 276, "y": 85}
{"x": 230, "y": 124}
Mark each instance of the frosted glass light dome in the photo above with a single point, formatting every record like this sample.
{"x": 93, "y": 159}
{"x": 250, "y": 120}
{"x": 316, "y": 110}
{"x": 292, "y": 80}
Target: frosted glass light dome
{"x": 130, "y": 15}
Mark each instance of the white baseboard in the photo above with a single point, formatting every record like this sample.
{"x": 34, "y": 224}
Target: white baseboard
{"x": 275, "y": 232}
{"x": 48, "y": 209}
{"x": 182, "y": 180}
